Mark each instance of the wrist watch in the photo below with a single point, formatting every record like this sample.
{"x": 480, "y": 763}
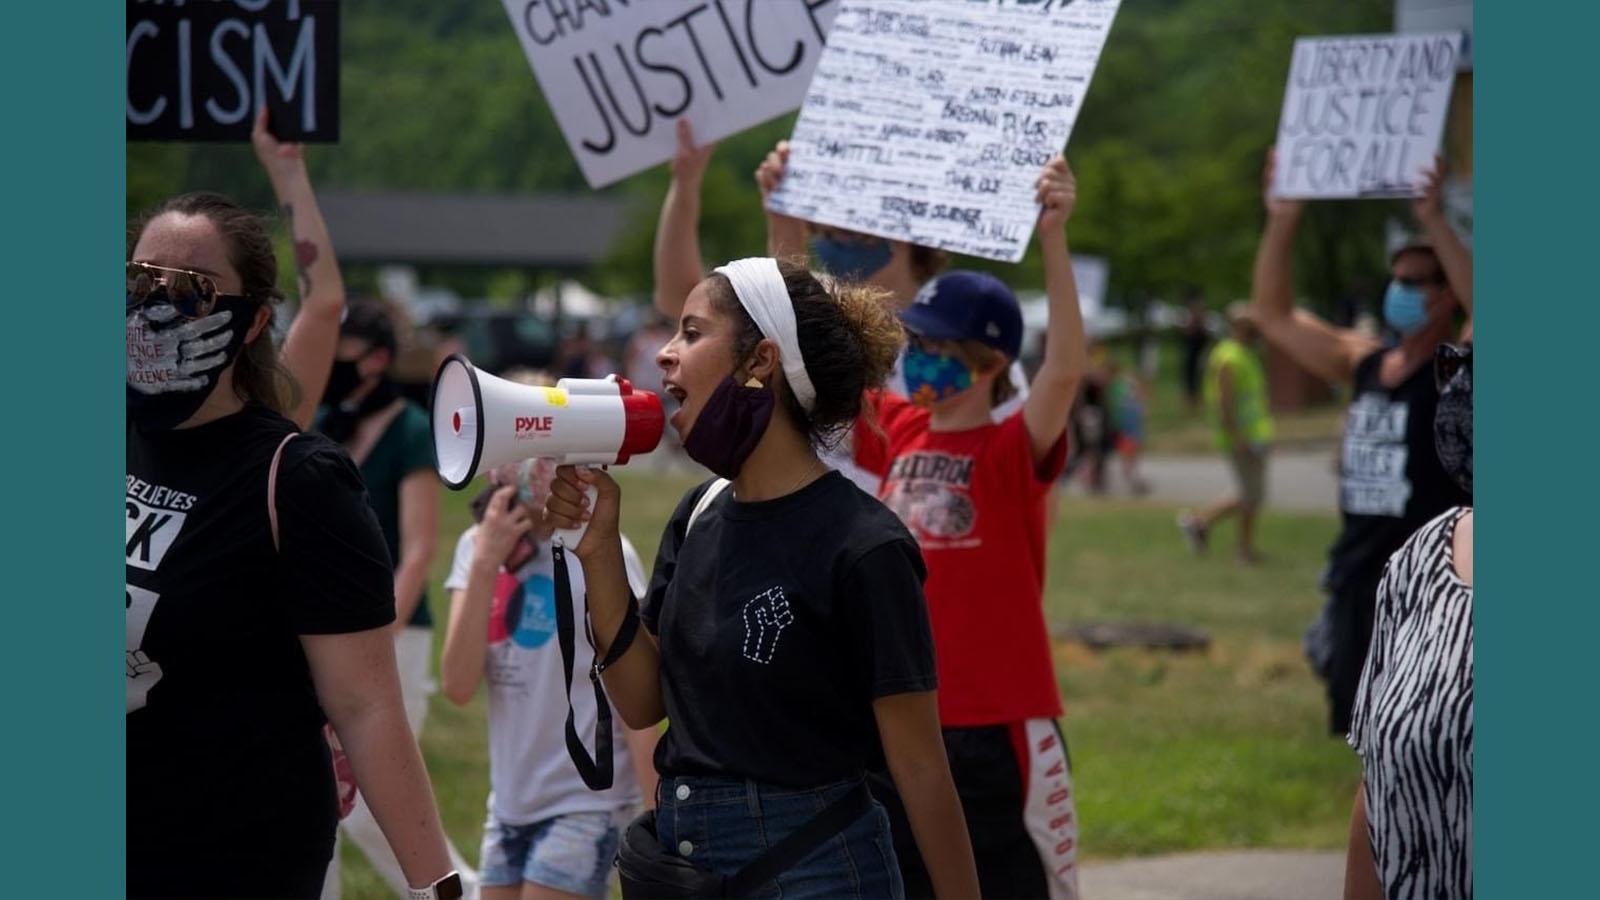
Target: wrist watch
{"x": 446, "y": 888}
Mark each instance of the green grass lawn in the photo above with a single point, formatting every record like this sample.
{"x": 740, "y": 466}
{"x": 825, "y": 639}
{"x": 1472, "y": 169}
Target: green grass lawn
{"x": 1225, "y": 747}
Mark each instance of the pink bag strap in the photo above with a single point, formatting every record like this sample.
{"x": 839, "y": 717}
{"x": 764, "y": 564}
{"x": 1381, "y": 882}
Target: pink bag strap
{"x": 272, "y": 487}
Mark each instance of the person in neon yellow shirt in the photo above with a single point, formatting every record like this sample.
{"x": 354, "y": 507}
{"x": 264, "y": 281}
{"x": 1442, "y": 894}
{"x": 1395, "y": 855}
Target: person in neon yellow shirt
{"x": 1236, "y": 398}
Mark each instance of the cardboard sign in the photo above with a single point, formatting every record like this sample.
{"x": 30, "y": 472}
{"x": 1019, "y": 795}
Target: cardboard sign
{"x": 618, "y": 73}
{"x": 198, "y": 71}
{"x": 1363, "y": 116}
{"x": 928, "y": 120}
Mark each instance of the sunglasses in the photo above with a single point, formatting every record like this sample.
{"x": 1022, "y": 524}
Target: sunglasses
{"x": 192, "y": 294}
{"x": 1448, "y": 361}
{"x": 1426, "y": 281}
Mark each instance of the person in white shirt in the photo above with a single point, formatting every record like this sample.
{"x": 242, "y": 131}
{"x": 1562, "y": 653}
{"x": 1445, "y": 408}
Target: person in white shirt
{"x": 547, "y": 834}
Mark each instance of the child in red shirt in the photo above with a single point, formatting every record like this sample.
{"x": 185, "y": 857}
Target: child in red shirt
{"x": 973, "y": 493}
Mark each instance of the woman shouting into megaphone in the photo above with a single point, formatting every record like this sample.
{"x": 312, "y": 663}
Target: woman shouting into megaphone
{"x": 785, "y": 633}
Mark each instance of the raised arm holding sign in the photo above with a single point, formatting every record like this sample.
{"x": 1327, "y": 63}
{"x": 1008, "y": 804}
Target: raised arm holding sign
{"x": 308, "y": 348}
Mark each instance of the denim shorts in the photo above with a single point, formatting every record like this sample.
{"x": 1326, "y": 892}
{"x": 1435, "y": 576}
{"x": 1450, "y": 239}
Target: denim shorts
{"x": 720, "y": 824}
{"x": 571, "y": 852}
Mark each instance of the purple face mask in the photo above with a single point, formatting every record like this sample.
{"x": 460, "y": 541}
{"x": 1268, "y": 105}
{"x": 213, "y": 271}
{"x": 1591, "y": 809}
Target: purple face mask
{"x": 727, "y": 431}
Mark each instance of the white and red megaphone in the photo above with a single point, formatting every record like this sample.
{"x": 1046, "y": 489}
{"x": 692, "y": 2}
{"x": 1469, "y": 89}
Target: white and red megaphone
{"x": 480, "y": 421}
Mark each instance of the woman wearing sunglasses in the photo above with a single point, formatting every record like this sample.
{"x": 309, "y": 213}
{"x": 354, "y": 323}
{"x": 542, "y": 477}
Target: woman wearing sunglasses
{"x": 258, "y": 589}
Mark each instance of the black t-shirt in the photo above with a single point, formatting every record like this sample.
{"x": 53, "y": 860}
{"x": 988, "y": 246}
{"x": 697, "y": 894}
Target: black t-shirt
{"x": 1390, "y": 480}
{"x": 779, "y": 623}
{"x": 225, "y": 751}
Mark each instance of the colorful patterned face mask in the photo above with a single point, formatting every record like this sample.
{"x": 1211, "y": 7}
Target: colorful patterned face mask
{"x": 931, "y": 377}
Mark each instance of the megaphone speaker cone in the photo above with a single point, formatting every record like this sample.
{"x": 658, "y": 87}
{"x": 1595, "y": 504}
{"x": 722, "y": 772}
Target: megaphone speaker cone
{"x": 457, "y": 421}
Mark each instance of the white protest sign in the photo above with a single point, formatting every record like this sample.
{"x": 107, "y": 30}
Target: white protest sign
{"x": 618, "y": 73}
{"x": 1363, "y": 116}
{"x": 928, "y": 120}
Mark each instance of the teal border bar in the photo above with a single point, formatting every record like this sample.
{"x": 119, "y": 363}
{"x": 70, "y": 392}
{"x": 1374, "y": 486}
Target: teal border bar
{"x": 63, "y": 71}
{"x": 1538, "y": 624}
{"x": 1536, "y": 170}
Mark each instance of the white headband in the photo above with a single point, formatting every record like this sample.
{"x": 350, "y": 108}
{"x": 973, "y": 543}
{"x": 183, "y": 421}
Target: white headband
{"x": 759, "y": 286}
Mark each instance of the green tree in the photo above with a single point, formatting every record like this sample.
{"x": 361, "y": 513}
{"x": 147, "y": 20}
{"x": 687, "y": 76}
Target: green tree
{"x": 1168, "y": 148}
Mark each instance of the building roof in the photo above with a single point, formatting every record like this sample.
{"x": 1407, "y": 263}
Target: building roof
{"x": 419, "y": 228}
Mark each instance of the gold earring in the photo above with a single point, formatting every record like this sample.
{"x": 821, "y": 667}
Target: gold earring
{"x": 754, "y": 382}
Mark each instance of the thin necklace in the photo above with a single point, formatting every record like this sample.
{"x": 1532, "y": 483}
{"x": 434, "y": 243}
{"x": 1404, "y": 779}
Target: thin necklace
{"x": 810, "y": 473}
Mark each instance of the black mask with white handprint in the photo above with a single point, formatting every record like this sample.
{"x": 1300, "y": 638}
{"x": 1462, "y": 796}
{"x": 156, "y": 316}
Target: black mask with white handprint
{"x": 1452, "y": 426}
{"x": 174, "y": 363}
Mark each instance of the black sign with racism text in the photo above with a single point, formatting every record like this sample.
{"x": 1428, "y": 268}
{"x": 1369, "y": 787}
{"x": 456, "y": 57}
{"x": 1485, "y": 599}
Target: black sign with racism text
{"x": 197, "y": 70}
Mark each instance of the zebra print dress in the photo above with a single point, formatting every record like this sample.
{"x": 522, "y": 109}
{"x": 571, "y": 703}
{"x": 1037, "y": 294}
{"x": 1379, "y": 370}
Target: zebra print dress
{"x": 1412, "y": 723}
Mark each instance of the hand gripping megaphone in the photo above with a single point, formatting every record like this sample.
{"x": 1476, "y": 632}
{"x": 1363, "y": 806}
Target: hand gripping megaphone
{"x": 480, "y": 421}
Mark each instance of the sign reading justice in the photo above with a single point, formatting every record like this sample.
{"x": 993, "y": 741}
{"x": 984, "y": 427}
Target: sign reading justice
{"x": 617, "y": 73}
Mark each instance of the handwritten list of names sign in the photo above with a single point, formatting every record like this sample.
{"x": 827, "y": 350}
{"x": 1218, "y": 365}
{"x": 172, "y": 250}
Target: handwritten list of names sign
{"x": 928, "y": 120}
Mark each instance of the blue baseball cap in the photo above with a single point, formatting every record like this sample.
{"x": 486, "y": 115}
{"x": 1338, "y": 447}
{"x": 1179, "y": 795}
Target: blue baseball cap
{"x": 967, "y": 306}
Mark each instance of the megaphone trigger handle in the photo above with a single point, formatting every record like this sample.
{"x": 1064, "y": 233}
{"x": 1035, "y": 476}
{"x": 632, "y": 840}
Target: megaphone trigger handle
{"x": 569, "y": 537}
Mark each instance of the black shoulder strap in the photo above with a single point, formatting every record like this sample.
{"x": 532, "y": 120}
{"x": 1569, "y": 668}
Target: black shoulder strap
{"x": 596, "y": 771}
{"x": 799, "y": 844}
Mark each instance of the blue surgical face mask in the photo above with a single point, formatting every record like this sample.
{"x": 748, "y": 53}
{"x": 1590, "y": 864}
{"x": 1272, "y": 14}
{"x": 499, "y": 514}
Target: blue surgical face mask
{"x": 931, "y": 377}
{"x": 851, "y": 260}
{"x": 1404, "y": 308}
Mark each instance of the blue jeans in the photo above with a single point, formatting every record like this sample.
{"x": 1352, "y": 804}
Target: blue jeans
{"x": 720, "y": 824}
{"x": 571, "y": 852}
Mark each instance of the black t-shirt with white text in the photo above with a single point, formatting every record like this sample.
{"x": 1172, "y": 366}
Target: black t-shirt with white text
{"x": 1390, "y": 479}
{"x": 779, "y": 623}
{"x": 225, "y": 752}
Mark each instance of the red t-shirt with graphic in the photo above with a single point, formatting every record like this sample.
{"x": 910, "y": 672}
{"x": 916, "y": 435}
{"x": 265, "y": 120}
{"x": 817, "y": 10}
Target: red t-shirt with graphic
{"x": 976, "y": 503}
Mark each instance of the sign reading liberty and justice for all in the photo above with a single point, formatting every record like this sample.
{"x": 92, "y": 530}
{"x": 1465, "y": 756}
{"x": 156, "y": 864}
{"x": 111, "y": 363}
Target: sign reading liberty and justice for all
{"x": 618, "y": 73}
{"x": 929, "y": 120}
{"x": 197, "y": 70}
{"x": 1363, "y": 116}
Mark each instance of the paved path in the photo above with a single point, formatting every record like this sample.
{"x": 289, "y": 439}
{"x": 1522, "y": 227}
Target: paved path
{"x": 1218, "y": 875}
{"x": 1298, "y": 480}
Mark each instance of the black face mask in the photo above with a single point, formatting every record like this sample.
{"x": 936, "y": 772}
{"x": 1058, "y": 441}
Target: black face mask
{"x": 174, "y": 363}
{"x": 1452, "y": 425}
{"x": 339, "y": 420}
{"x": 729, "y": 427}
{"x": 342, "y": 379}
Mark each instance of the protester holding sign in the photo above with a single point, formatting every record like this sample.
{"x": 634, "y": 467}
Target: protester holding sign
{"x": 786, "y": 634}
{"x": 974, "y": 493}
{"x": 1390, "y": 480}
{"x": 258, "y": 592}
